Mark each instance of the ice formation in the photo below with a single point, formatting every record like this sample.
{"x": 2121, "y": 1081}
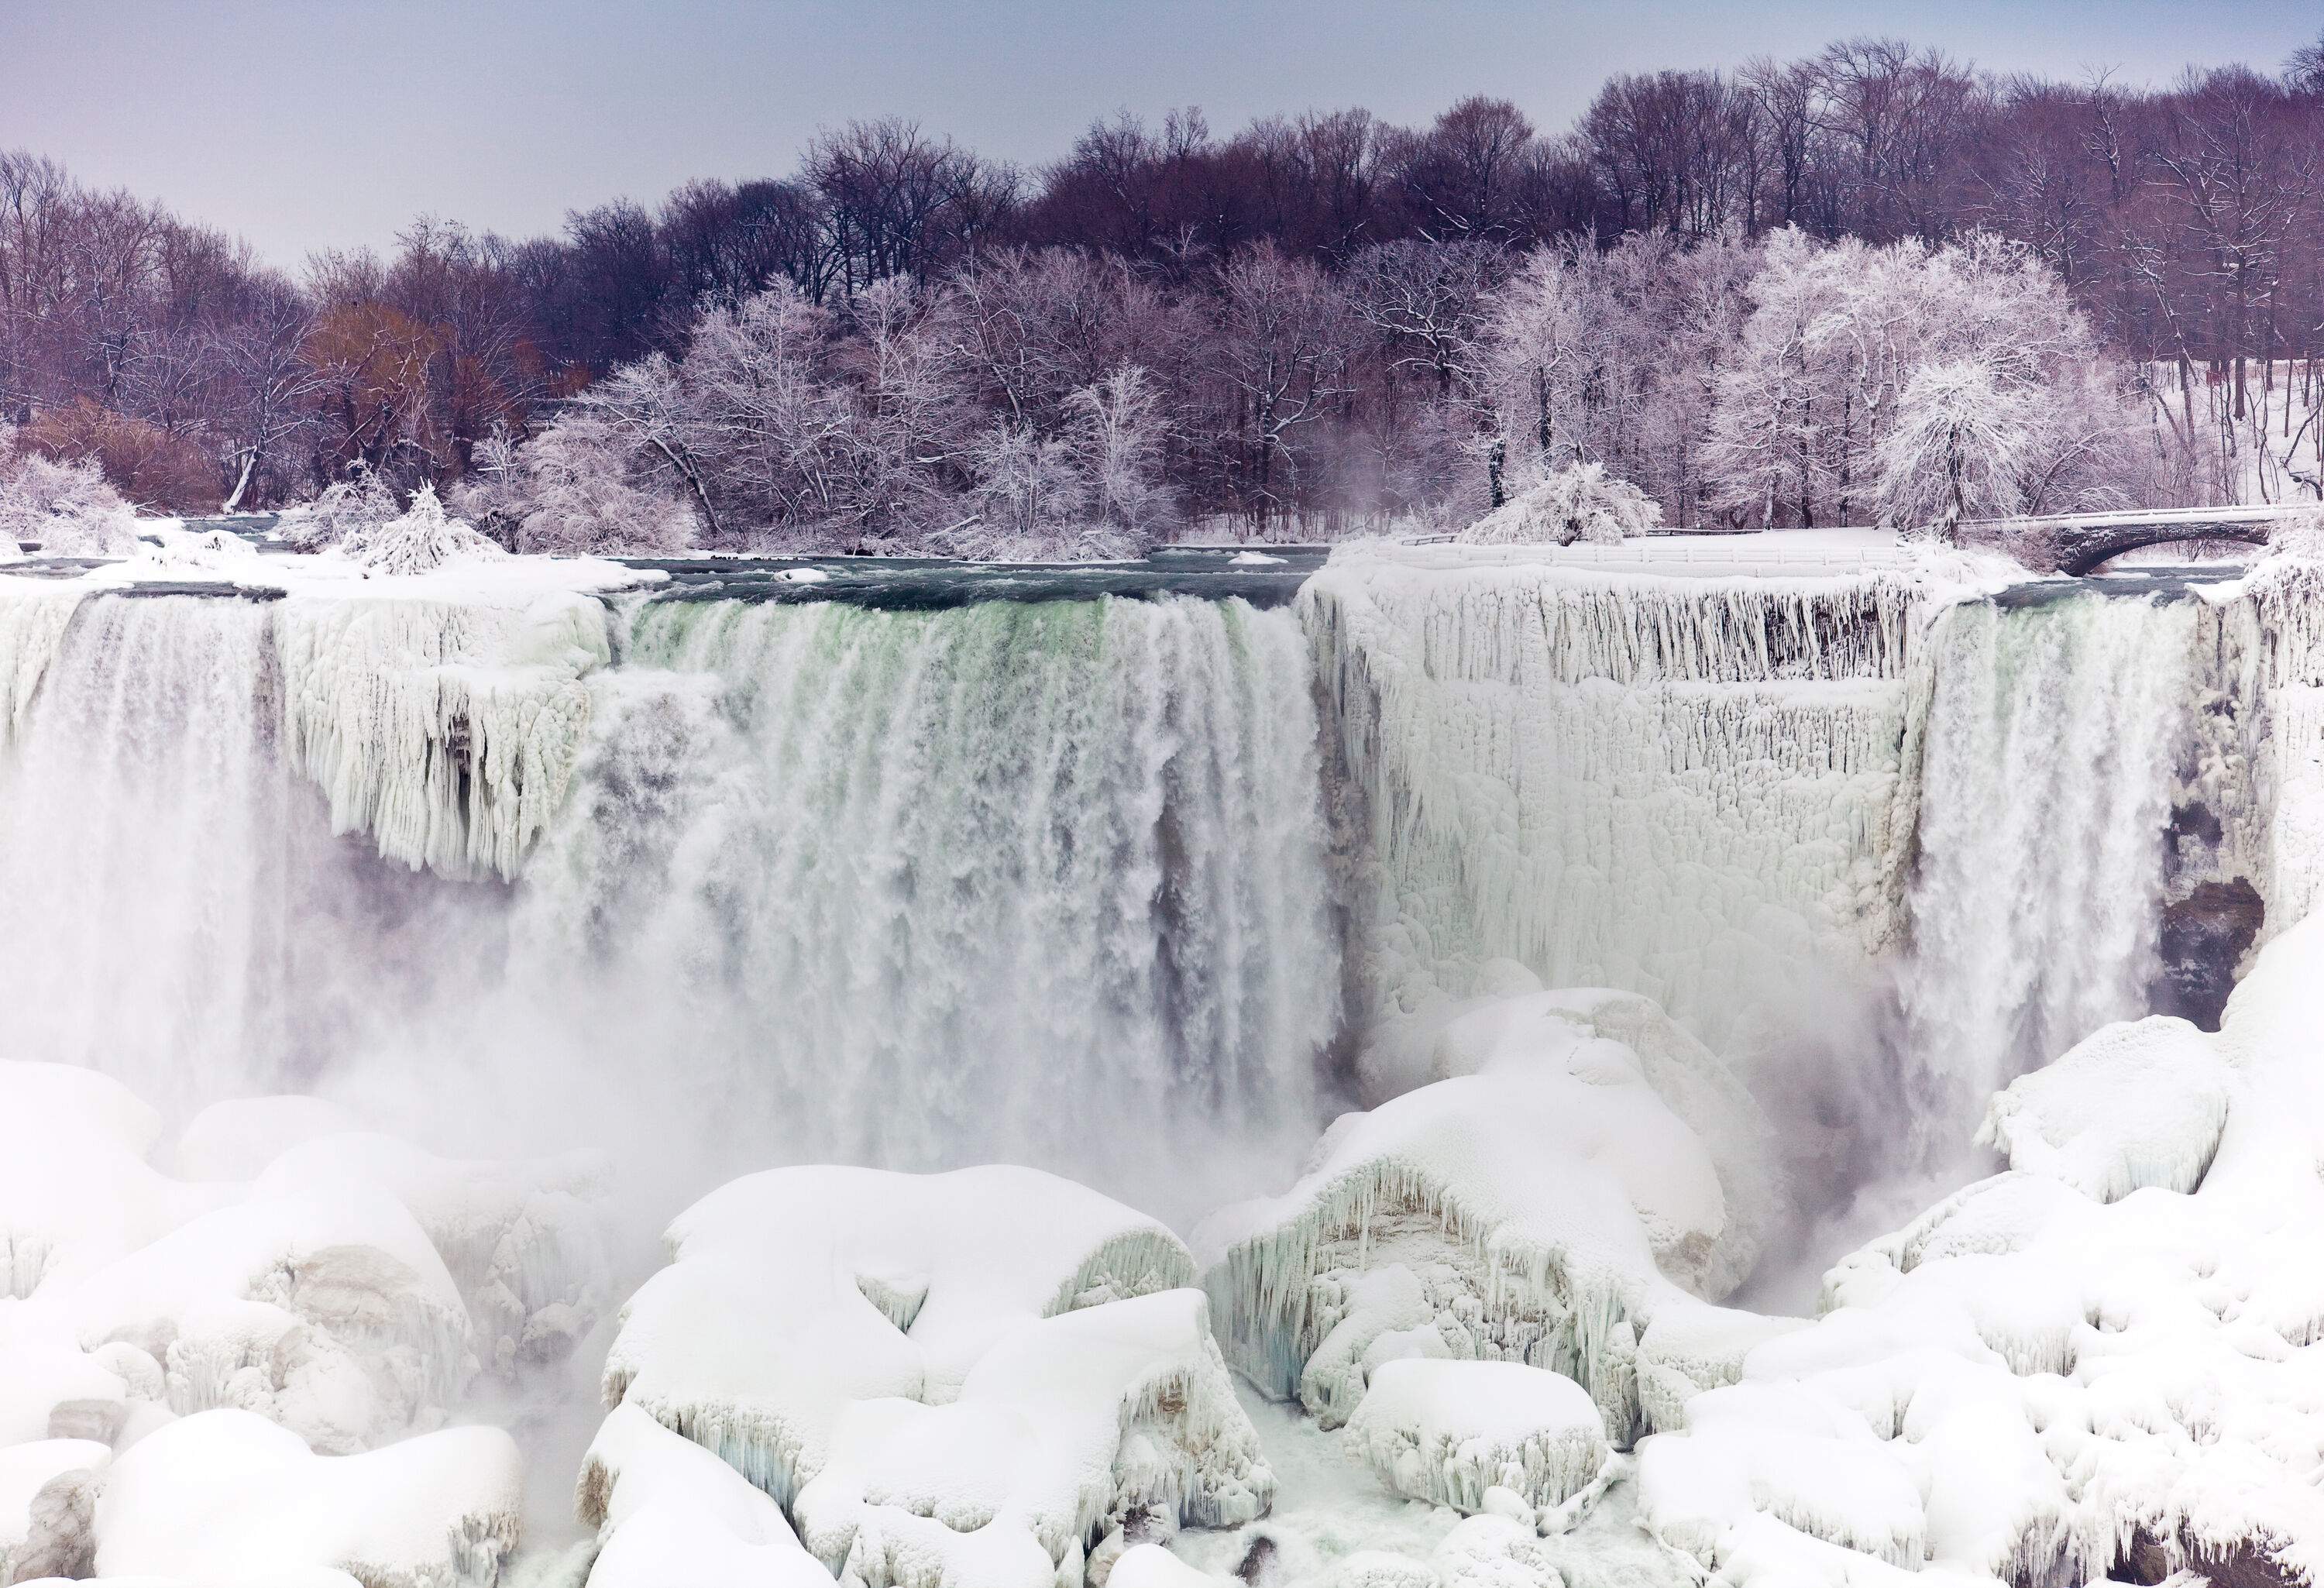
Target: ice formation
{"x": 1676, "y": 786}
{"x": 228, "y": 1496}
{"x": 2097, "y": 1359}
{"x": 1483, "y": 1436}
{"x": 953, "y": 1378}
{"x": 1541, "y": 1204}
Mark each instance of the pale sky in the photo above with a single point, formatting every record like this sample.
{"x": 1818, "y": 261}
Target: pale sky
{"x": 301, "y": 123}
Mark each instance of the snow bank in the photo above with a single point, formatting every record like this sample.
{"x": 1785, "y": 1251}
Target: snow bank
{"x": 1454, "y": 1433}
{"x": 948, "y": 1379}
{"x": 1681, "y": 786}
{"x": 1541, "y": 1209}
{"x": 230, "y": 1497}
{"x": 2098, "y": 1360}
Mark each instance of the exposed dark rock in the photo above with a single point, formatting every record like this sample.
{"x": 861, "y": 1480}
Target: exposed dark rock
{"x": 2246, "y": 1564}
{"x": 2205, "y": 936}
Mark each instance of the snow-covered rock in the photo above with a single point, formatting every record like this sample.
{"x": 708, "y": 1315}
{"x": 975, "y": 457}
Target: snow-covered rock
{"x": 47, "y": 1489}
{"x": 330, "y": 1313}
{"x": 1466, "y": 1433}
{"x": 228, "y": 1496}
{"x": 1538, "y": 1204}
{"x": 2100, "y": 1359}
{"x": 669, "y": 1514}
{"x": 967, "y": 1378}
{"x": 524, "y": 1241}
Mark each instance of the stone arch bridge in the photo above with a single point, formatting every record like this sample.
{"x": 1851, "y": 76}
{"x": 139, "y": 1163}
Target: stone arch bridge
{"x": 2077, "y": 543}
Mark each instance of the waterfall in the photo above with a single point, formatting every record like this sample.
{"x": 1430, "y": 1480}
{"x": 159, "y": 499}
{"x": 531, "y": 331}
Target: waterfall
{"x": 1029, "y": 880}
{"x": 2051, "y": 750}
{"x": 1038, "y": 882}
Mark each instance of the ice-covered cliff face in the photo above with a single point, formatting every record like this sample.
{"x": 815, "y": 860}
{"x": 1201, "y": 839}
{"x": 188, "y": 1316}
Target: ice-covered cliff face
{"x": 1038, "y": 882}
{"x": 1679, "y": 786}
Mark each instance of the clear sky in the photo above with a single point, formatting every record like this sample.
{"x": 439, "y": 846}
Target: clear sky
{"x": 301, "y": 123}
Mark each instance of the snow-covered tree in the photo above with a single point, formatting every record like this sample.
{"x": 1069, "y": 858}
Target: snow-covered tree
{"x": 417, "y": 540}
{"x": 1581, "y": 503}
{"x": 65, "y": 507}
{"x": 1115, "y": 433}
{"x": 1838, "y": 334}
{"x": 360, "y": 501}
{"x": 579, "y": 489}
{"x": 1958, "y": 450}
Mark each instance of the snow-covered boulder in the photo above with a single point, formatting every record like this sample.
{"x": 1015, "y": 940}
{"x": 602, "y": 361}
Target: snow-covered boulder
{"x": 2100, "y": 1361}
{"x": 2134, "y": 1106}
{"x": 329, "y": 1313}
{"x": 47, "y": 1489}
{"x": 1062, "y": 1432}
{"x": 524, "y": 1241}
{"x": 1476, "y": 1436}
{"x": 795, "y": 1292}
{"x": 948, "y": 1379}
{"x": 1540, "y": 1204}
{"x": 229, "y": 1497}
{"x": 669, "y": 1514}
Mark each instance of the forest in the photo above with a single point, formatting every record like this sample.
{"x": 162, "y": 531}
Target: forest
{"x": 1874, "y": 285}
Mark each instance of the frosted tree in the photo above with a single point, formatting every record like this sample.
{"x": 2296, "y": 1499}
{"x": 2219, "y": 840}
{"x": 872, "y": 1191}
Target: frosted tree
{"x": 1578, "y": 503}
{"x": 1115, "y": 434}
{"x": 417, "y": 540}
{"x": 65, "y": 507}
{"x": 1026, "y": 498}
{"x": 1803, "y": 416}
{"x": 360, "y": 501}
{"x": 1531, "y": 359}
{"x": 582, "y": 488}
{"x": 1959, "y": 448}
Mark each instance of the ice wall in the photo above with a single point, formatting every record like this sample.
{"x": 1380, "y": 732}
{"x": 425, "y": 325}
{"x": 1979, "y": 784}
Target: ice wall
{"x": 1676, "y": 786}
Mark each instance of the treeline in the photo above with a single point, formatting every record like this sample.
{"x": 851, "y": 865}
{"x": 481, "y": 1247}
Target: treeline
{"x": 1317, "y": 314}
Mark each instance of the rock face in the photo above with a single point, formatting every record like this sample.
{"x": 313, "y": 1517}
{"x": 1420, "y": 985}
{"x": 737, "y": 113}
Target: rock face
{"x": 2080, "y": 545}
{"x": 2205, "y": 936}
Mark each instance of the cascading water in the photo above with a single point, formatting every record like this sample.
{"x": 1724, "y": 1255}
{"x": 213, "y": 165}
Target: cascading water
{"x": 174, "y": 908}
{"x": 2050, "y": 745}
{"x": 1033, "y": 881}
{"x": 1018, "y": 880}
